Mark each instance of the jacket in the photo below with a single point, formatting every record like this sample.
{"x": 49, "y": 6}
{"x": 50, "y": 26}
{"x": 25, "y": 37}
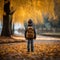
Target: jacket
{"x": 34, "y": 32}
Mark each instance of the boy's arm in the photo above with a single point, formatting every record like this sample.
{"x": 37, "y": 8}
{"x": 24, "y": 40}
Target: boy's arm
{"x": 34, "y": 34}
{"x": 25, "y": 33}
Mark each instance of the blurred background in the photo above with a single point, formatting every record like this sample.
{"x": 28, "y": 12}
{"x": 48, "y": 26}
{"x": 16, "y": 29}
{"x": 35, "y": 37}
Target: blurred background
{"x": 44, "y": 13}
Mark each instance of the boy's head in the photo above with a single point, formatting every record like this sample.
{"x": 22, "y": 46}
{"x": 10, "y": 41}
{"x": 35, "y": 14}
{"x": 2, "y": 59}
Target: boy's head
{"x": 30, "y": 22}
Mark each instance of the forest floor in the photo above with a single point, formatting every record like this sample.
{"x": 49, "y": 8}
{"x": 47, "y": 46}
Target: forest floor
{"x": 15, "y": 48}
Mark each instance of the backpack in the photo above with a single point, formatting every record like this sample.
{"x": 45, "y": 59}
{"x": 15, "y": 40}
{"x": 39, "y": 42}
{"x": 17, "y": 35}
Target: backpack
{"x": 30, "y": 33}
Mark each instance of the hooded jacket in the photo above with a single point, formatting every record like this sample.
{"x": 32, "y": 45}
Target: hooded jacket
{"x": 30, "y": 24}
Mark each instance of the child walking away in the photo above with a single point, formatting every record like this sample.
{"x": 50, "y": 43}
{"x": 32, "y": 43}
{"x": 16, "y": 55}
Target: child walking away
{"x": 30, "y": 35}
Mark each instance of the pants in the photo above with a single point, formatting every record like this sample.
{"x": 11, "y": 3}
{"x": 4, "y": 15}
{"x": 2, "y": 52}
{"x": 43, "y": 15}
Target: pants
{"x": 30, "y": 45}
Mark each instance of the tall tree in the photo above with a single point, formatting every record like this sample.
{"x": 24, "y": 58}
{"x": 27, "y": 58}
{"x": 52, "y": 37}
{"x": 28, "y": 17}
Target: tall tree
{"x": 6, "y": 30}
{"x": 10, "y": 18}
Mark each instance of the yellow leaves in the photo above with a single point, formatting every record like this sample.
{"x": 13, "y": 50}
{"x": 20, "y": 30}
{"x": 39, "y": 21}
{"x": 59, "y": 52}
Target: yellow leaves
{"x": 32, "y": 9}
{"x": 26, "y": 9}
{"x": 20, "y": 49}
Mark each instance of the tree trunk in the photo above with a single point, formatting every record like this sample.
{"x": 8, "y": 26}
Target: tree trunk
{"x": 13, "y": 29}
{"x": 11, "y": 25}
{"x": 6, "y": 30}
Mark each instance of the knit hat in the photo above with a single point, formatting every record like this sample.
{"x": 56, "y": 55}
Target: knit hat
{"x": 30, "y": 22}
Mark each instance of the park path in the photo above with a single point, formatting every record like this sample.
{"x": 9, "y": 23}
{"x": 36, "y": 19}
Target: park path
{"x": 18, "y": 39}
{"x": 38, "y": 38}
{"x": 45, "y": 48}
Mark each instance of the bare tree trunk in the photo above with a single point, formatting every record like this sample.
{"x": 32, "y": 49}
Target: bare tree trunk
{"x": 13, "y": 29}
{"x": 6, "y": 30}
{"x": 11, "y": 14}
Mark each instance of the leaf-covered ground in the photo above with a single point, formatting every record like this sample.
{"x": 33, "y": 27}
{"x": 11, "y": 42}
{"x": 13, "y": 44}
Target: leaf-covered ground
{"x": 18, "y": 51}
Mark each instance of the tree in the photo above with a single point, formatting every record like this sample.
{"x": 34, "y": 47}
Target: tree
{"x": 12, "y": 30}
{"x": 47, "y": 22}
{"x": 11, "y": 14}
{"x": 6, "y": 30}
